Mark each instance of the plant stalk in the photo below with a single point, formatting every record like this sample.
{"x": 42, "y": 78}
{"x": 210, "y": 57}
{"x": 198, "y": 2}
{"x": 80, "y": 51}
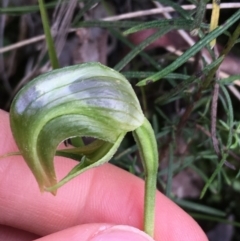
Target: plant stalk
{"x": 146, "y": 141}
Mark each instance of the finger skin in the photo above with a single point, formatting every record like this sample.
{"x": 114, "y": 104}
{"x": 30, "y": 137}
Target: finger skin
{"x": 98, "y": 232}
{"x": 12, "y": 234}
{"x": 105, "y": 194}
{"x": 85, "y": 232}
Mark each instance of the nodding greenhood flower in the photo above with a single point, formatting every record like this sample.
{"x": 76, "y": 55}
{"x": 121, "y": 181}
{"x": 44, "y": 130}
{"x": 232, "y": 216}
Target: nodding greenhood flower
{"x": 84, "y": 100}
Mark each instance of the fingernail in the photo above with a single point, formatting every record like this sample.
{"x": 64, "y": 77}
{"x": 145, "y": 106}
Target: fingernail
{"x": 120, "y": 233}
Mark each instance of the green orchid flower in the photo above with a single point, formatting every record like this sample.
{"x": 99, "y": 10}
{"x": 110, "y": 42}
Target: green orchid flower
{"x": 88, "y": 100}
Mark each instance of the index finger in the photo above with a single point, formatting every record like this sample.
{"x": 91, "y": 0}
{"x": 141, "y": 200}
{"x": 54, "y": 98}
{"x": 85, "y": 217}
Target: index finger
{"x": 105, "y": 194}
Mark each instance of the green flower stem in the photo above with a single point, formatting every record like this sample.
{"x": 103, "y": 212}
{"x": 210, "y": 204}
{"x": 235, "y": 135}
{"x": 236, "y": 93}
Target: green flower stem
{"x": 145, "y": 139}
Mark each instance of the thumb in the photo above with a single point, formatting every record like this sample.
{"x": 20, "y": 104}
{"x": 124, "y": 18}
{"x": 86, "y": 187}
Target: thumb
{"x": 121, "y": 232}
{"x": 98, "y": 232}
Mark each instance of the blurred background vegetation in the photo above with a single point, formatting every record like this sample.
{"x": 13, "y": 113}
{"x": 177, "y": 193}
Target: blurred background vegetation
{"x": 187, "y": 86}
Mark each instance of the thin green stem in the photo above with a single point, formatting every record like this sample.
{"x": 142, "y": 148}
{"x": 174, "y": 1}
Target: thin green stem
{"x": 49, "y": 39}
{"x": 146, "y": 141}
{"x": 144, "y": 101}
{"x": 170, "y": 171}
{"x": 217, "y": 170}
{"x": 231, "y": 42}
{"x": 198, "y": 19}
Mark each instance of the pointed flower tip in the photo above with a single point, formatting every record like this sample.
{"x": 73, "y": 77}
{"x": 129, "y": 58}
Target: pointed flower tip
{"x": 44, "y": 188}
{"x": 53, "y": 192}
{"x": 47, "y": 183}
{"x": 50, "y": 186}
{"x": 51, "y": 189}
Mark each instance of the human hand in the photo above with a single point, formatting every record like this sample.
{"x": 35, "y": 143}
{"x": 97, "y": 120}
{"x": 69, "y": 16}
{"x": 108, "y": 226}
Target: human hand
{"x": 101, "y": 204}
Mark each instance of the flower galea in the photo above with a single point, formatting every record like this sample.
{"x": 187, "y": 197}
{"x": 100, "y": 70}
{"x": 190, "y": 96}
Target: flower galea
{"x": 89, "y": 100}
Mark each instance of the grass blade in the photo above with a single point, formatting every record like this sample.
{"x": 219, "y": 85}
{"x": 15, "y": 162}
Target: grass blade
{"x": 193, "y": 50}
{"x": 140, "y": 47}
